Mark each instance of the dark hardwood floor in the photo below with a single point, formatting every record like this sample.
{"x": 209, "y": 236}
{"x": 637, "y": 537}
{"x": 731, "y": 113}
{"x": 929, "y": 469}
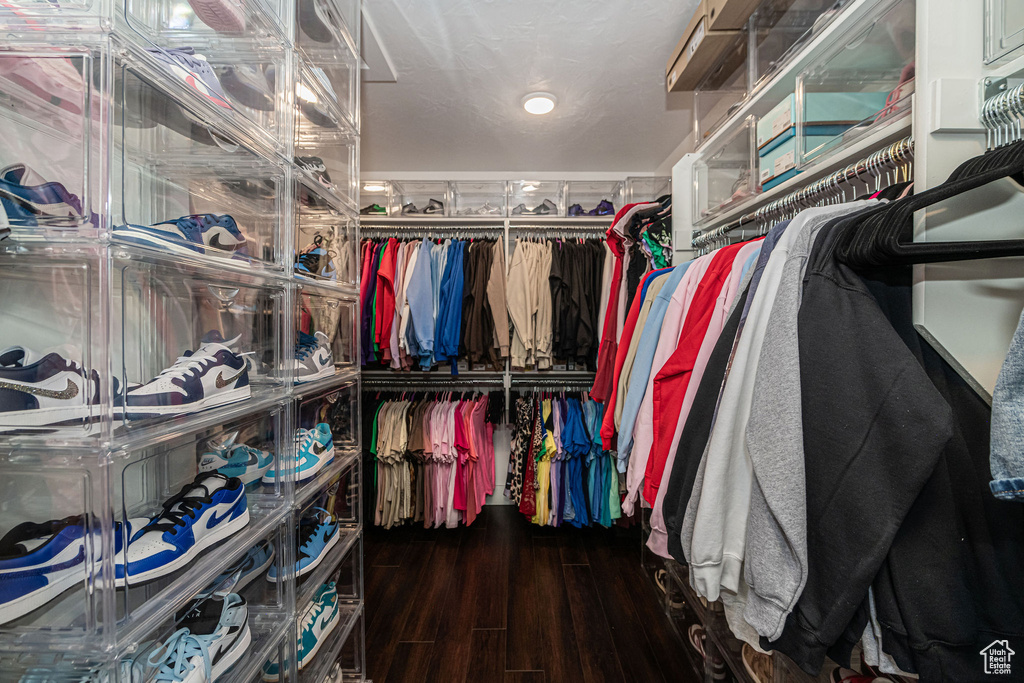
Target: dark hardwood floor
{"x": 507, "y": 602}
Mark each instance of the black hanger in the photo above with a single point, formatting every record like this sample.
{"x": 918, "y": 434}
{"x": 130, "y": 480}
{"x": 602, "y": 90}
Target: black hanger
{"x": 884, "y": 236}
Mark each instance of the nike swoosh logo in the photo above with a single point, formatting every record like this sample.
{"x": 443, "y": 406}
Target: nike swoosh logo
{"x": 321, "y": 359}
{"x": 70, "y": 391}
{"x": 318, "y": 448}
{"x": 221, "y": 382}
{"x": 215, "y": 520}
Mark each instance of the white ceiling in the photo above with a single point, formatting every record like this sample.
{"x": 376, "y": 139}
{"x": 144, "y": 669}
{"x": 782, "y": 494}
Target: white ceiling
{"x": 463, "y": 67}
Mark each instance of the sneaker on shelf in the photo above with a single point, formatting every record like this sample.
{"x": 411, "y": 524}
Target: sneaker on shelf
{"x": 318, "y": 534}
{"x": 488, "y": 210}
{"x": 760, "y": 666}
{"x": 313, "y": 357}
{"x": 53, "y": 80}
{"x": 604, "y": 208}
{"x": 317, "y": 112}
{"x": 373, "y": 210}
{"x": 434, "y": 207}
{"x": 146, "y": 105}
{"x": 250, "y": 188}
{"x": 315, "y": 449}
{"x": 212, "y": 375}
{"x": 546, "y": 207}
{"x": 46, "y": 390}
{"x": 410, "y": 208}
{"x": 201, "y": 233}
{"x": 318, "y": 20}
{"x": 334, "y": 676}
{"x": 255, "y": 562}
{"x": 250, "y": 85}
{"x": 520, "y": 210}
{"x": 38, "y": 562}
{"x": 244, "y": 462}
{"x": 318, "y": 620}
{"x": 205, "y": 512}
{"x": 316, "y": 261}
{"x": 315, "y": 166}
{"x": 223, "y": 16}
{"x": 221, "y": 624}
{"x": 576, "y": 210}
{"x": 194, "y": 71}
{"x": 26, "y": 198}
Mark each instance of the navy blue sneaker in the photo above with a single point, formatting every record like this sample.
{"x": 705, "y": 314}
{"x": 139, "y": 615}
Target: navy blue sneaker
{"x": 27, "y": 199}
{"x": 255, "y": 562}
{"x": 46, "y": 391}
{"x": 205, "y": 512}
{"x": 201, "y": 233}
{"x": 576, "y": 210}
{"x": 213, "y": 375}
{"x": 194, "y": 71}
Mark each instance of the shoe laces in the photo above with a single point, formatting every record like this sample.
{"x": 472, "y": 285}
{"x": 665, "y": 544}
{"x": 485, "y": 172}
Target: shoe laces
{"x": 174, "y": 658}
{"x": 309, "y": 528}
{"x": 178, "y": 508}
{"x": 305, "y": 346}
{"x": 189, "y": 366}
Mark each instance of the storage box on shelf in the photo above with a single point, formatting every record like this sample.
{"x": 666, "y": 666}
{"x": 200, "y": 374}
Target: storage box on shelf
{"x": 488, "y": 198}
{"x": 326, "y": 148}
{"x": 593, "y": 197}
{"x": 326, "y": 244}
{"x": 865, "y": 80}
{"x": 698, "y": 49}
{"x": 725, "y": 174}
{"x": 322, "y": 26}
{"x": 780, "y": 28}
{"x": 326, "y": 337}
{"x": 536, "y": 198}
{"x": 327, "y": 437}
{"x": 375, "y": 198}
{"x": 196, "y": 337}
{"x": 646, "y": 188}
{"x": 351, "y": 660}
{"x": 1004, "y": 29}
{"x": 337, "y": 73}
{"x": 722, "y": 88}
{"x": 56, "y": 138}
{"x": 417, "y": 198}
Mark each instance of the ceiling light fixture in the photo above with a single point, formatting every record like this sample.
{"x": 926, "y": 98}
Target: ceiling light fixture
{"x": 371, "y": 187}
{"x": 529, "y": 188}
{"x": 539, "y": 103}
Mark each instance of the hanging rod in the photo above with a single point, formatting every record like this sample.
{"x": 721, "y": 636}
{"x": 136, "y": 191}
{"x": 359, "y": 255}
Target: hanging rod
{"x": 432, "y": 233}
{"x": 823, "y": 190}
{"x": 425, "y": 384}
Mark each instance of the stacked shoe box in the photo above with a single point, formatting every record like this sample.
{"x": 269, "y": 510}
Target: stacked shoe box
{"x": 178, "y": 422}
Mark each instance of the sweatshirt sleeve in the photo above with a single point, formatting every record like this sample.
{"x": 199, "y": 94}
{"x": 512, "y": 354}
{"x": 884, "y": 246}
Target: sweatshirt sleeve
{"x": 421, "y": 303}
{"x": 496, "y": 298}
{"x": 519, "y": 308}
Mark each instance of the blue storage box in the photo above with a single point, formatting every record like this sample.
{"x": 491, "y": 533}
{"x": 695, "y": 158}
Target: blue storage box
{"x": 826, "y": 114}
{"x": 780, "y": 163}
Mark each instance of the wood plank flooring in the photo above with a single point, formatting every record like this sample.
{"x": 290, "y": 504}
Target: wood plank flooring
{"x": 507, "y": 602}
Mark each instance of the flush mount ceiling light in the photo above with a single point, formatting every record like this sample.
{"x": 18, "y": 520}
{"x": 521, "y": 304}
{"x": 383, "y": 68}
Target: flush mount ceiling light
{"x": 539, "y": 103}
{"x": 373, "y": 187}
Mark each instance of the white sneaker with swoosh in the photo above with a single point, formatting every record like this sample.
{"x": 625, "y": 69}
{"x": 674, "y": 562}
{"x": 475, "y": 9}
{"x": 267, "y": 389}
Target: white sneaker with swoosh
{"x": 313, "y": 357}
{"x": 48, "y": 390}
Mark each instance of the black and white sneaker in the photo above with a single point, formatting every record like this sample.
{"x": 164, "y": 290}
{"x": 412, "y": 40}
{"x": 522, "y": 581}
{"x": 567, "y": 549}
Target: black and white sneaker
{"x": 212, "y": 636}
{"x": 313, "y": 357}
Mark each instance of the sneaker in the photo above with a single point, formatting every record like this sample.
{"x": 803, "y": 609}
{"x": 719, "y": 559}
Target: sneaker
{"x": 519, "y": 210}
{"x": 243, "y": 462}
{"x": 434, "y": 207}
{"x": 203, "y": 233}
{"x": 760, "y": 667}
{"x": 546, "y": 207}
{"x": 576, "y": 210}
{"x": 334, "y": 676}
{"x": 250, "y": 85}
{"x": 38, "y": 562}
{"x": 320, "y": 619}
{"x": 604, "y": 208}
{"x": 26, "y": 198}
{"x": 317, "y": 535}
{"x": 193, "y": 70}
{"x": 316, "y": 111}
{"x": 315, "y": 451}
{"x": 410, "y": 208}
{"x": 46, "y": 391}
{"x": 373, "y": 210}
{"x": 313, "y": 357}
{"x": 318, "y": 20}
{"x": 221, "y": 625}
{"x": 315, "y": 166}
{"x": 213, "y": 375}
{"x": 223, "y": 16}
{"x": 316, "y": 261}
{"x": 257, "y": 560}
{"x": 205, "y": 512}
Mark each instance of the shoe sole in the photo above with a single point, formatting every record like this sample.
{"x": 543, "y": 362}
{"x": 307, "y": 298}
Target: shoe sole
{"x": 32, "y": 601}
{"x": 41, "y": 417}
{"x": 324, "y": 372}
{"x": 231, "y": 657}
{"x": 145, "y": 239}
{"x": 247, "y": 95}
{"x": 323, "y": 637}
{"x": 222, "y": 532}
{"x": 255, "y": 476}
{"x": 322, "y": 556}
{"x": 218, "y": 15}
{"x": 326, "y": 458}
{"x": 219, "y": 399}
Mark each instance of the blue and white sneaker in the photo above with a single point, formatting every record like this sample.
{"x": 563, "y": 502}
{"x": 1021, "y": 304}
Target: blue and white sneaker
{"x": 206, "y": 233}
{"x": 38, "y": 562}
{"x": 213, "y": 375}
{"x": 320, "y": 618}
{"x": 194, "y": 71}
{"x": 49, "y": 390}
{"x": 313, "y": 357}
{"x": 253, "y": 563}
{"x": 26, "y": 199}
{"x": 317, "y": 535}
{"x": 316, "y": 261}
{"x": 205, "y": 512}
{"x": 212, "y": 636}
{"x": 236, "y": 460}
{"x": 315, "y": 451}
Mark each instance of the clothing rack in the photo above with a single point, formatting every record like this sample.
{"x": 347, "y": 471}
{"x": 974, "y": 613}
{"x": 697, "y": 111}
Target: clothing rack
{"x": 419, "y": 231}
{"x": 1003, "y": 115}
{"x": 887, "y": 166}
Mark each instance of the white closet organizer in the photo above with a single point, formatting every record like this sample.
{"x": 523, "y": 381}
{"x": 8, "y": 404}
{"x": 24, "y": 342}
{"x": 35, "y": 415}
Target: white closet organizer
{"x": 969, "y": 62}
{"x": 120, "y": 116}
